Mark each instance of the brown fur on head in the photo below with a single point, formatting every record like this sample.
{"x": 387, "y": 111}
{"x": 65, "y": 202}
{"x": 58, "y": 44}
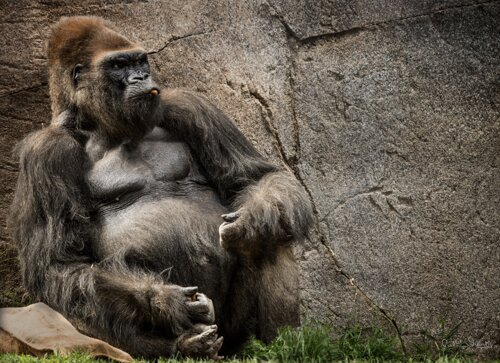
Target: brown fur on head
{"x": 76, "y": 40}
{"x": 83, "y": 41}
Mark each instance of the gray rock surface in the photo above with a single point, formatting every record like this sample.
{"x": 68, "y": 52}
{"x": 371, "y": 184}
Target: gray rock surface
{"x": 387, "y": 112}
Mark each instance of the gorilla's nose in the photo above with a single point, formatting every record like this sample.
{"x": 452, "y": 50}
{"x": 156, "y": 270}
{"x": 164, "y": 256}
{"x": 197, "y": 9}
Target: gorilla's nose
{"x": 137, "y": 77}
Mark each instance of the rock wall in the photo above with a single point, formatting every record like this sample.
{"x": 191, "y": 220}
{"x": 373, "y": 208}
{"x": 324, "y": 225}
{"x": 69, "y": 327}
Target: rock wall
{"x": 386, "y": 111}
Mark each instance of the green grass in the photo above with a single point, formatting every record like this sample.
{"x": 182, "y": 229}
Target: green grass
{"x": 307, "y": 344}
{"x": 313, "y": 344}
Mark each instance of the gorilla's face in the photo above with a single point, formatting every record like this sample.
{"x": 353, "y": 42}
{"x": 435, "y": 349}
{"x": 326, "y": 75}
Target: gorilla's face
{"x": 117, "y": 87}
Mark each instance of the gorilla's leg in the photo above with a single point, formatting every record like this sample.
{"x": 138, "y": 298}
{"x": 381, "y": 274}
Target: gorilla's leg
{"x": 239, "y": 319}
{"x": 278, "y": 301}
{"x": 263, "y": 296}
{"x": 157, "y": 329}
{"x": 200, "y": 341}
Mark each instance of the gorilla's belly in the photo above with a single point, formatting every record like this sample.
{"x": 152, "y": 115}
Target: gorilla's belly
{"x": 177, "y": 235}
{"x": 157, "y": 212}
{"x": 167, "y": 223}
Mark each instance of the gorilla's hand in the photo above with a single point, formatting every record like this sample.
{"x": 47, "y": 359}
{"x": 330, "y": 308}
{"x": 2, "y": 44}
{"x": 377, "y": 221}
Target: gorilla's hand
{"x": 201, "y": 342}
{"x": 252, "y": 229}
{"x": 201, "y": 309}
{"x": 179, "y": 308}
{"x": 271, "y": 212}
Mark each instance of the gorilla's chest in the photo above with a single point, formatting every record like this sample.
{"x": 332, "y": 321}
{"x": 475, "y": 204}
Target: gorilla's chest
{"x": 155, "y": 161}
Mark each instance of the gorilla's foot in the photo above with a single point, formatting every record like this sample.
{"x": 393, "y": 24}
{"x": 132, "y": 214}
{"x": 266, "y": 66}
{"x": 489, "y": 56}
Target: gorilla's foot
{"x": 201, "y": 342}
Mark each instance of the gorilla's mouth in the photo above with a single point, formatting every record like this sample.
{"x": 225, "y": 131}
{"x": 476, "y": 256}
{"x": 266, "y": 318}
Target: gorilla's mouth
{"x": 143, "y": 94}
{"x": 154, "y": 91}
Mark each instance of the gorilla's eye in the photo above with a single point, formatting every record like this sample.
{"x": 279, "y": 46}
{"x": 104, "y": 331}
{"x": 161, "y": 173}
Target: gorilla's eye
{"x": 119, "y": 63}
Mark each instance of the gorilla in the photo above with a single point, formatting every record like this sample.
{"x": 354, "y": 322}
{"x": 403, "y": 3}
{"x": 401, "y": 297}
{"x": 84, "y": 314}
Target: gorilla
{"x": 144, "y": 215}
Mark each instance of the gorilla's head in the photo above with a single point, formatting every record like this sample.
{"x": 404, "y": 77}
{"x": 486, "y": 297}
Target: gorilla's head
{"x": 103, "y": 75}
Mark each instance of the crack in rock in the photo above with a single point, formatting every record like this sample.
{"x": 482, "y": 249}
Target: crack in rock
{"x": 291, "y": 34}
{"x": 294, "y": 42}
{"x": 369, "y": 301}
{"x": 325, "y": 241}
{"x": 356, "y": 30}
{"x": 267, "y": 116}
{"x": 175, "y": 38}
{"x": 382, "y": 311}
{"x": 23, "y": 89}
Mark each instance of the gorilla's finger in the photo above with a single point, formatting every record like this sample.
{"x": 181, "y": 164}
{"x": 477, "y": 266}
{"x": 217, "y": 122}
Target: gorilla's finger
{"x": 202, "y": 298}
{"x": 231, "y": 217}
{"x": 200, "y": 328}
{"x": 199, "y": 306}
{"x": 216, "y": 345}
{"x": 208, "y": 335}
{"x": 190, "y": 291}
{"x": 212, "y": 328}
{"x": 199, "y": 299}
{"x": 231, "y": 232}
{"x": 214, "y": 348}
{"x": 201, "y": 310}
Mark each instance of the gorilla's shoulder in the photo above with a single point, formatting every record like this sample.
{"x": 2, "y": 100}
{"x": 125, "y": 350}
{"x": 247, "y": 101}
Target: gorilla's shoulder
{"x": 54, "y": 147}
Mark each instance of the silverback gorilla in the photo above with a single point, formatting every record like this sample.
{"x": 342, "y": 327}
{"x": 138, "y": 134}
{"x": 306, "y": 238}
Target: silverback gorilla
{"x": 144, "y": 215}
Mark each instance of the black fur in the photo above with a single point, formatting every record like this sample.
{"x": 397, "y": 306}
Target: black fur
{"x": 115, "y": 219}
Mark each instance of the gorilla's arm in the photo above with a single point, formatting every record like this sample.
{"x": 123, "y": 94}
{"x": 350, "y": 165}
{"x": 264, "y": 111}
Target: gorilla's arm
{"x": 53, "y": 229}
{"x": 269, "y": 203}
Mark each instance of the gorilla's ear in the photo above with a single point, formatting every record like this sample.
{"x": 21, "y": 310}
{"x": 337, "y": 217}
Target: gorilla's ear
{"x": 77, "y": 70}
